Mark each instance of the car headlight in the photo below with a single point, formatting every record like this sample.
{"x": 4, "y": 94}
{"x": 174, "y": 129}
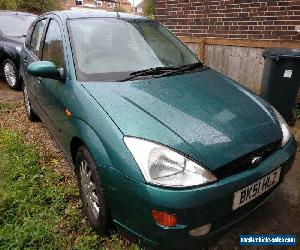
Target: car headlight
{"x": 163, "y": 166}
{"x": 286, "y": 132}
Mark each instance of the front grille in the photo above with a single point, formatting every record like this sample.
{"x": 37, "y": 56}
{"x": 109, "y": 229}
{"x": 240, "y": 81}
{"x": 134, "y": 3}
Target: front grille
{"x": 245, "y": 162}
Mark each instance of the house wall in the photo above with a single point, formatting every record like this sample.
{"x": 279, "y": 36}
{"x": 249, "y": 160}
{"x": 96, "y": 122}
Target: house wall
{"x": 243, "y": 19}
{"x": 67, "y": 4}
{"x": 230, "y": 35}
{"x": 126, "y": 6}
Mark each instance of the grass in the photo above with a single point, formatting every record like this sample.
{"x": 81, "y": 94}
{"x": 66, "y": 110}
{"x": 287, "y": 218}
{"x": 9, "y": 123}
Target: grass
{"x": 7, "y": 106}
{"x": 297, "y": 111}
{"x": 38, "y": 210}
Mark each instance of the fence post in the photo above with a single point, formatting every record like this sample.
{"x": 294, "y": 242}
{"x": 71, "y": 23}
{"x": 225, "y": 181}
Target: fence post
{"x": 202, "y": 50}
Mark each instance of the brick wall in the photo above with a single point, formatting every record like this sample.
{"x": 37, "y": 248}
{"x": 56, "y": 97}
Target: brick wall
{"x": 243, "y": 19}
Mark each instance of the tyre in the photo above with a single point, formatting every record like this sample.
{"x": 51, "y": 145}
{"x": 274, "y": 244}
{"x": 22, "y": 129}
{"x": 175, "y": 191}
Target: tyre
{"x": 92, "y": 192}
{"x": 29, "y": 111}
{"x": 11, "y": 74}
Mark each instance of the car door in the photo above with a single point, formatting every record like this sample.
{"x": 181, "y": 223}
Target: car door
{"x": 51, "y": 94}
{"x": 31, "y": 53}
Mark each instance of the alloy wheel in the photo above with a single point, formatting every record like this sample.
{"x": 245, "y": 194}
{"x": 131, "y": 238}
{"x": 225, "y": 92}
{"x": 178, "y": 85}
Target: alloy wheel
{"x": 10, "y": 74}
{"x": 89, "y": 188}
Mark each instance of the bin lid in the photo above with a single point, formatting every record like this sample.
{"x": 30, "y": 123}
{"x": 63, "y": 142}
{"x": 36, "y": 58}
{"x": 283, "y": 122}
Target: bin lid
{"x": 276, "y": 53}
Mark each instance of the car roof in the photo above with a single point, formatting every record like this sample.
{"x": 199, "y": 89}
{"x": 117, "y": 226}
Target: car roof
{"x": 17, "y": 13}
{"x": 73, "y": 14}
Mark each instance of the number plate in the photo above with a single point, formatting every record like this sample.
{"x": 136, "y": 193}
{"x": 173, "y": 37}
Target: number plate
{"x": 249, "y": 193}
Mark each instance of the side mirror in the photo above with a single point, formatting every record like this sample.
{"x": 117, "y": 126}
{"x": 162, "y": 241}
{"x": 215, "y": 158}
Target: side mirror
{"x": 44, "y": 69}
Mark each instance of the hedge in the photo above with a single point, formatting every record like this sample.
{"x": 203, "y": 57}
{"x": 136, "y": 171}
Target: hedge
{"x": 35, "y": 6}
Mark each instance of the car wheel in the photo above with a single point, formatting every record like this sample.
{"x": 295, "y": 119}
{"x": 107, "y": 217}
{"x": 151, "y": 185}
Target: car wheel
{"x": 11, "y": 74}
{"x": 92, "y": 192}
{"x": 29, "y": 111}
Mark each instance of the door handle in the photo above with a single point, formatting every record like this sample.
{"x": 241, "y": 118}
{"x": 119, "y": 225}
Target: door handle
{"x": 25, "y": 60}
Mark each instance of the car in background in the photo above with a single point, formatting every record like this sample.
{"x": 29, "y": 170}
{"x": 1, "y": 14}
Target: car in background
{"x": 164, "y": 147}
{"x": 13, "y": 30}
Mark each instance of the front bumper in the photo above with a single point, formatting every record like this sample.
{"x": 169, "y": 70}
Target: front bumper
{"x": 131, "y": 202}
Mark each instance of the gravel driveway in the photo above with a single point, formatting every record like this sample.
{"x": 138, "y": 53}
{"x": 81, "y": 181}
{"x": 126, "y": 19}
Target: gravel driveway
{"x": 33, "y": 132}
{"x": 7, "y": 95}
{"x": 278, "y": 215}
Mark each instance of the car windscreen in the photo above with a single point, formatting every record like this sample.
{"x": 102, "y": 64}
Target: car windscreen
{"x": 109, "y": 49}
{"x": 15, "y": 25}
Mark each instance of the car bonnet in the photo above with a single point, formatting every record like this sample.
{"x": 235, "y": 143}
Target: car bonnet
{"x": 213, "y": 119}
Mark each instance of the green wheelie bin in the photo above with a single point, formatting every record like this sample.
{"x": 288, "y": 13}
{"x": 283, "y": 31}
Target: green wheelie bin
{"x": 281, "y": 80}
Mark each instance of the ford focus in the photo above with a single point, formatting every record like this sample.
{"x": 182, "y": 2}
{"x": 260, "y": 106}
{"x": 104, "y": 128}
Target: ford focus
{"x": 164, "y": 147}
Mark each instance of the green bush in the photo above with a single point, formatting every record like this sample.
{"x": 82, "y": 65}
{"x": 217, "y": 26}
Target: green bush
{"x": 297, "y": 111}
{"x": 119, "y": 9}
{"x": 8, "y": 5}
{"x": 36, "y": 6}
{"x": 149, "y": 8}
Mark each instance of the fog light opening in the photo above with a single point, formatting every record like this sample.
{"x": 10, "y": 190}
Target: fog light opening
{"x": 199, "y": 231}
{"x": 164, "y": 219}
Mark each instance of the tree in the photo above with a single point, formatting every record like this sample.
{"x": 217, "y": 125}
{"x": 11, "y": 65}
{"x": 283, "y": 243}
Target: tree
{"x": 8, "y": 5}
{"x": 36, "y": 6}
{"x": 149, "y": 8}
{"x": 119, "y": 9}
{"x": 39, "y": 5}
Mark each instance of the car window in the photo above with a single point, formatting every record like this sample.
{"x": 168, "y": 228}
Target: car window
{"x": 53, "y": 47}
{"x": 121, "y": 47}
{"x": 36, "y": 38}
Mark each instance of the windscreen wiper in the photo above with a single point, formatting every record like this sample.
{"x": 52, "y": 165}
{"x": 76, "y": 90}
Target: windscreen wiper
{"x": 149, "y": 72}
{"x": 184, "y": 68}
{"x": 162, "y": 71}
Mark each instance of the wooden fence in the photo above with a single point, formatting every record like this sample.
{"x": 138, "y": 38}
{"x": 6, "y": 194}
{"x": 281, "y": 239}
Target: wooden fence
{"x": 237, "y": 58}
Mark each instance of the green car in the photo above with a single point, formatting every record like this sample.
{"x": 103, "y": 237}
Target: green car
{"x": 169, "y": 150}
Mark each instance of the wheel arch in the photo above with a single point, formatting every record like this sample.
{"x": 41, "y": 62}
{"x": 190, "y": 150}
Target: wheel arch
{"x": 88, "y": 138}
{"x": 3, "y": 57}
{"x": 12, "y": 55}
{"x": 21, "y": 80}
{"x": 75, "y": 144}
